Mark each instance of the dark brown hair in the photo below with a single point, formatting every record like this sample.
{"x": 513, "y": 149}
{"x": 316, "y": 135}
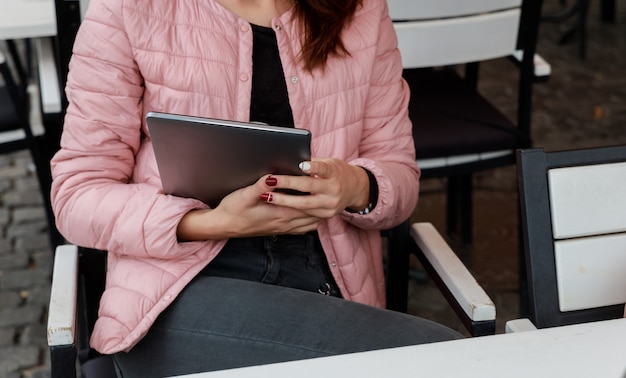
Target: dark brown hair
{"x": 323, "y": 22}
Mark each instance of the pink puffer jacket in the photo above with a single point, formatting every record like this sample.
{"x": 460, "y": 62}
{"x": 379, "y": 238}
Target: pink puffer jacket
{"x": 194, "y": 57}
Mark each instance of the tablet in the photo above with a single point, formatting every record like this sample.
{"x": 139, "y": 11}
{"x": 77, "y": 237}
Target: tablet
{"x": 206, "y": 158}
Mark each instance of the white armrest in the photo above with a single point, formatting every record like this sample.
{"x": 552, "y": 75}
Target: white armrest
{"x": 62, "y": 311}
{"x": 542, "y": 68}
{"x": 519, "y": 325}
{"x": 48, "y": 77}
{"x": 468, "y": 293}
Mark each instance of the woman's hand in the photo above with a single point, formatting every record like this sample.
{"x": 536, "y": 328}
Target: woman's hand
{"x": 245, "y": 213}
{"x": 263, "y": 208}
{"x": 333, "y": 185}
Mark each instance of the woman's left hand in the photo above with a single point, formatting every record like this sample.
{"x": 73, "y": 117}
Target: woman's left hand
{"x": 332, "y": 186}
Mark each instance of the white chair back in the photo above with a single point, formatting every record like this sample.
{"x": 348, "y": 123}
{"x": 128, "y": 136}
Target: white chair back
{"x": 446, "y": 32}
{"x": 588, "y": 209}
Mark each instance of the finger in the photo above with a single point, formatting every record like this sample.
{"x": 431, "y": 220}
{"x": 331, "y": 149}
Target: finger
{"x": 293, "y": 184}
{"x": 251, "y": 193}
{"x": 299, "y": 202}
{"x": 312, "y": 205}
{"x": 265, "y": 183}
{"x": 315, "y": 167}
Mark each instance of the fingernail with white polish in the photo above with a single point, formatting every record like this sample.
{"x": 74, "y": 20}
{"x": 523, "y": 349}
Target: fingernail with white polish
{"x": 305, "y": 166}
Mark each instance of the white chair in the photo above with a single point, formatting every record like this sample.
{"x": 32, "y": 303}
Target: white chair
{"x": 457, "y": 131}
{"x": 574, "y": 222}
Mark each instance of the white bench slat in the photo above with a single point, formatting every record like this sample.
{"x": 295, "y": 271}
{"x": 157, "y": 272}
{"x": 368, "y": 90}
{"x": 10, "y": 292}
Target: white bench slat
{"x": 590, "y": 271}
{"x": 463, "y": 286}
{"x": 588, "y": 200}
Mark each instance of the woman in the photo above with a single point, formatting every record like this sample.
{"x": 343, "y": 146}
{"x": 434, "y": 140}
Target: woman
{"x": 180, "y": 295}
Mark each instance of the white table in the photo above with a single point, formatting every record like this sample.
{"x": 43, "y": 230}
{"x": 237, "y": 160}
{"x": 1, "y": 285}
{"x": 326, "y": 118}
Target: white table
{"x": 27, "y": 19}
{"x": 584, "y": 350}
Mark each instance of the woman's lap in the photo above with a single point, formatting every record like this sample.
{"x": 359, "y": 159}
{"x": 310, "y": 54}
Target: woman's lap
{"x": 220, "y": 323}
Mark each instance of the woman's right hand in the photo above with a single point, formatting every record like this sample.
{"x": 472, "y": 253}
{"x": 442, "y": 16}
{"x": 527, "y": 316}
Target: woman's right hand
{"x": 242, "y": 213}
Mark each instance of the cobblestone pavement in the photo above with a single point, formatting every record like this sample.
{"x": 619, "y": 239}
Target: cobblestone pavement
{"x": 583, "y": 105}
{"x": 25, "y": 270}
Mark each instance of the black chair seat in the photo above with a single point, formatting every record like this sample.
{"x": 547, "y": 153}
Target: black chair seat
{"x": 454, "y": 119}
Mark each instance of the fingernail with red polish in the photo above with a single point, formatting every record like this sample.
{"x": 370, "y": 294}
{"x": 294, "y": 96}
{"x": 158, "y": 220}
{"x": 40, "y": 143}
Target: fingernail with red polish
{"x": 271, "y": 181}
{"x": 267, "y": 197}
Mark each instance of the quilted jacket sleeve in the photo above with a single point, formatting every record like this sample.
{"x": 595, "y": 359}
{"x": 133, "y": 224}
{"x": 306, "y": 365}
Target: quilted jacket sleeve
{"x": 96, "y": 197}
{"x": 387, "y": 147}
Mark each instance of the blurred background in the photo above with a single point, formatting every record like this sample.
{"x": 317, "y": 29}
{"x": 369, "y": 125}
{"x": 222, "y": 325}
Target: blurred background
{"x": 582, "y": 105}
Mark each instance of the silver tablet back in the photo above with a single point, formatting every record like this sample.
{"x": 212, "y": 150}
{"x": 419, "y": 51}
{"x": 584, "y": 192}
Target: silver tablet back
{"x": 207, "y": 159}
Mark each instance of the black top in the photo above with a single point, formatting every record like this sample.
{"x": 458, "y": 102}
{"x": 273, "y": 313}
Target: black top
{"x": 270, "y": 102}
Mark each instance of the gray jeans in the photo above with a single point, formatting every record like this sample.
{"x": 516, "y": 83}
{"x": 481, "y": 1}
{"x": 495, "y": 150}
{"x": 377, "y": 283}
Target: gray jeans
{"x": 221, "y": 323}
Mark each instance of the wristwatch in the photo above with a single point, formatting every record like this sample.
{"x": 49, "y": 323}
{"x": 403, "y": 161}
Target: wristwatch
{"x": 365, "y": 211}
{"x": 373, "y": 195}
